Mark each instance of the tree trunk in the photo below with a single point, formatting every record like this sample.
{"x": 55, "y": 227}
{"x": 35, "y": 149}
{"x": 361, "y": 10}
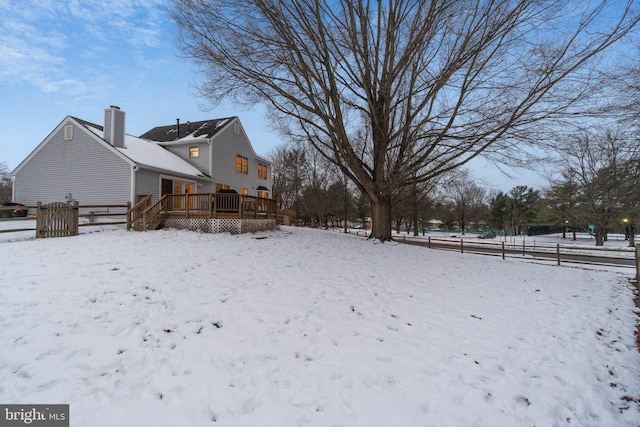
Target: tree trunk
{"x": 599, "y": 233}
{"x": 381, "y": 228}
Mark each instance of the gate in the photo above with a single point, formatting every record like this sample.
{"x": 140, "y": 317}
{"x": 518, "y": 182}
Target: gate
{"x": 57, "y": 219}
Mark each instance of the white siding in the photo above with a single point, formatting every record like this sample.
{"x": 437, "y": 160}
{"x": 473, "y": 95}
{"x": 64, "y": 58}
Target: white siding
{"x": 82, "y": 166}
{"x": 182, "y": 150}
{"x": 148, "y": 182}
{"x": 226, "y": 147}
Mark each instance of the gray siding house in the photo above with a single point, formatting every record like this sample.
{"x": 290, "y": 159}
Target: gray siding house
{"x": 96, "y": 164}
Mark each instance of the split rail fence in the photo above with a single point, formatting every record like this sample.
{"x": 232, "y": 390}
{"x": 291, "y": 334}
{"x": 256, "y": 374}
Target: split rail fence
{"x": 558, "y": 254}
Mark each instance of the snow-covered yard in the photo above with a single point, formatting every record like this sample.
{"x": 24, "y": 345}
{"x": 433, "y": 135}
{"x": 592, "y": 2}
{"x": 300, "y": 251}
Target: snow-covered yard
{"x": 306, "y": 327}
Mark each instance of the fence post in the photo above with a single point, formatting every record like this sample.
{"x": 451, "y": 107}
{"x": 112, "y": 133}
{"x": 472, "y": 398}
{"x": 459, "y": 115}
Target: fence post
{"x": 638, "y": 264}
{"x": 558, "y": 252}
{"x": 502, "y": 250}
{"x": 461, "y": 247}
{"x": 429, "y": 243}
{"x": 39, "y": 220}
{"x": 75, "y": 213}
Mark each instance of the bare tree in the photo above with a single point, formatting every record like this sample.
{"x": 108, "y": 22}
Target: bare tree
{"x": 288, "y": 165}
{"x": 412, "y": 204}
{"x": 396, "y": 93}
{"x": 466, "y": 198}
{"x": 605, "y": 166}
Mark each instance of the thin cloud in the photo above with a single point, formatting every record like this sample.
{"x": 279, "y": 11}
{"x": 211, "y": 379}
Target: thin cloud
{"x": 75, "y": 47}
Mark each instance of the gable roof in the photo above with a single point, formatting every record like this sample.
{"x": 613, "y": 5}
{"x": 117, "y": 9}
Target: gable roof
{"x": 188, "y": 130}
{"x": 147, "y": 153}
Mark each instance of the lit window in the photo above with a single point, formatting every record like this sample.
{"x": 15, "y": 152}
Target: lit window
{"x": 245, "y": 192}
{"x": 263, "y": 194}
{"x": 68, "y": 132}
{"x": 194, "y": 151}
{"x": 242, "y": 165}
{"x": 262, "y": 171}
{"x": 222, "y": 187}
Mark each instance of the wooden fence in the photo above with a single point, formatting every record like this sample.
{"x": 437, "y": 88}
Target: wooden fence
{"x": 57, "y": 219}
{"x": 62, "y": 219}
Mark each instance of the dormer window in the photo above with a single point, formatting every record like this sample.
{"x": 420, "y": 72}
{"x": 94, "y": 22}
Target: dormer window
{"x": 68, "y": 132}
{"x": 194, "y": 151}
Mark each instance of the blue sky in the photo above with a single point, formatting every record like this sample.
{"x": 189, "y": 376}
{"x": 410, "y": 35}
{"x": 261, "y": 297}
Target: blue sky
{"x": 77, "y": 57}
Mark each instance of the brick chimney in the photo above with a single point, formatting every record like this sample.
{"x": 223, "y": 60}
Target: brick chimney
{"x": 114, "y": 126}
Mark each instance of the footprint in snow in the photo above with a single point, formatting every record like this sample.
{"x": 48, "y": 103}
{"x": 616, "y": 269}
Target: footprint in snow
{"x": 522, "y": 401}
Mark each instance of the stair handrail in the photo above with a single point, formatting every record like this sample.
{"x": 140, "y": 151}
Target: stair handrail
{"x": 135, "y": 213}
{"x": 153, "y": 211}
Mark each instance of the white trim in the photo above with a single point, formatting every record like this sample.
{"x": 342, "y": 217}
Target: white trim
{"x": 210, "y": 143}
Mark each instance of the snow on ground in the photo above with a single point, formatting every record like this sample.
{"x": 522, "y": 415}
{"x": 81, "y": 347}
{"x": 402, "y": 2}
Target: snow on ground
{"x": 302, "y": 327}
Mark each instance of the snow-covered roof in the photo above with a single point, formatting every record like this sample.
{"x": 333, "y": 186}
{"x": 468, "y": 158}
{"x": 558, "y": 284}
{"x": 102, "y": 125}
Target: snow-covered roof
{"x": 149, "y": 153}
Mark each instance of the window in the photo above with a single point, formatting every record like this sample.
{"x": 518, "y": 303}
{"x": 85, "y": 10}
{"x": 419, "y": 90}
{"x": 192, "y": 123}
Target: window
{"x": 242, "y": 165}
{"x": 262, "y": 171}
{"x": 194, "y": 151}
{"x": 263, "y": 194}
{"x": 245, "y": 191}
{"x": 68, "y": 132}
{"x": 222, "y": 187}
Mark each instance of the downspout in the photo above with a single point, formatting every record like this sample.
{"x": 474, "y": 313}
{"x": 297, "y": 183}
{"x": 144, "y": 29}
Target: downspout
{"x": 13, "y": 188}
{"x": 134, "y": 169}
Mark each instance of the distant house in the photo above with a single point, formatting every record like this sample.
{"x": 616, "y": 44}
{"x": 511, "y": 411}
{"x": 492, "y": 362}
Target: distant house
{"x": 101, "y": 164}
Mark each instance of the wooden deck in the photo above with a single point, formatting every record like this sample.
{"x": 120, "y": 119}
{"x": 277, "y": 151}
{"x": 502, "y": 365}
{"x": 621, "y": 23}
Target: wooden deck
{"x": 146, "y": 216}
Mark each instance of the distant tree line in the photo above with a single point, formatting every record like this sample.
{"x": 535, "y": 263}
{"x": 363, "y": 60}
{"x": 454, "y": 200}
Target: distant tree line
{"x": 595, "y": 190}
{"x": 5, "y": 183}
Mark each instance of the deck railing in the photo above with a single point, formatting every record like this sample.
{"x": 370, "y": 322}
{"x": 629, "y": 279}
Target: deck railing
{"x": 134, "y": 215}
{"x": 207, "y": 205}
